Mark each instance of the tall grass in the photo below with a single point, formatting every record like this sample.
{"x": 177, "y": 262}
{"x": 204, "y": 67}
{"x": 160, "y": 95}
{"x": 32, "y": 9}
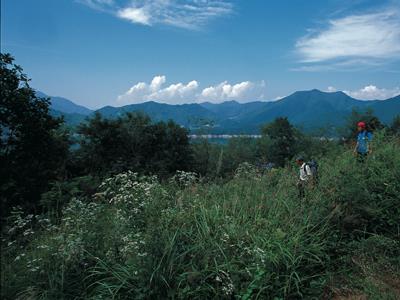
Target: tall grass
{"x": 248, "y": 238}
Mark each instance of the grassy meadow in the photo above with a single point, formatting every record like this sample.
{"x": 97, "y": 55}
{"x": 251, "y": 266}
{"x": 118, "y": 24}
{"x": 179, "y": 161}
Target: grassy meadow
{"x": 249, "y": 237}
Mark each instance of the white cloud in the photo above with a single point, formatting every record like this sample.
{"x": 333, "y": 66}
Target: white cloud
{"x": 242, "y": 91}
{"x": 102, "y": 5}
{"x": 174, "y": 93}
{"x": 157, "y": 82}
{"x": 135, "y": 15}
{"x": 331, "y": 89}
{"x": 373, "y": 37}
{"x": 372, "y": 92}
{"x": 178, "y": 93}
{"x": 350, "y": 64}
{"x": 189, "y": 14}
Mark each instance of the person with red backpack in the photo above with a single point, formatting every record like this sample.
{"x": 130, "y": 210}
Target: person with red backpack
{"x": 363, "y": 145}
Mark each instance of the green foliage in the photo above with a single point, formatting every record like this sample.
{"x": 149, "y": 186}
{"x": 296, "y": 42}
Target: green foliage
{"x": 33, "y": 147}
{"x": 221, "y": 160}
{"x": 184, "y": 179}
{"x": 203, "y": 152}
{"x": 367, "y": 116}
{"x": 366, "y": 194}
{"x": 132, "y": 236}
{"x": 376, "y": 259}
{"x": 282, "y": 140}
{"x": 61, "y": 192}
{"x": 218, "y": 160}
{"x": 247, "y": 238}
{"x": 246, "y": 170}
{"x": 58, "y": 256}
{"x": 395, "y": 127}
{"x": 132, "y": 142}
{"x": 238, "y": 150}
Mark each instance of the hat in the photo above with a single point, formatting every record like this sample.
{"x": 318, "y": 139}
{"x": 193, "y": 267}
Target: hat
{"x": 299, "y": 158}
{"x": 361, "y": 124}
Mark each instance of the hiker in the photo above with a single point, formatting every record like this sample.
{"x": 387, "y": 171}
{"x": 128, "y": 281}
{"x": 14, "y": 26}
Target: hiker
{"x": 305, "y": 176}
{"x": 364, "y": 138}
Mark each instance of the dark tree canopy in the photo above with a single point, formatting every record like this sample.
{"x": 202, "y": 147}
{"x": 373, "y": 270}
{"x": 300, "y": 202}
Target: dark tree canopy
{"x": 133, "y": 142}
{"x": 282, "y": 140}
{"x": 395, "y": 127}
{"x": 32, "y": 147}
{"x": 372, "y": 122}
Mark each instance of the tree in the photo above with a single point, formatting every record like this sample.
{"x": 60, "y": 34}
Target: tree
{"x": 33, "y": 147}
{"x": 203, "y": 154}
{"x": 133, "y": 142}
{"x": 395, "y": 127}
{"x": 282, "y": 136}
{"x": 372, "y": 122}
{"x": 100, "y": 145}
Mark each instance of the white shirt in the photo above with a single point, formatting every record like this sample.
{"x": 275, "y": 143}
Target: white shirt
{"x": 305, "y": 172}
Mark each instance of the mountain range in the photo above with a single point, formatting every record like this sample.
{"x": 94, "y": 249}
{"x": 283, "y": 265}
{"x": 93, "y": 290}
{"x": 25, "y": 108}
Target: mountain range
{"x": 309, "y": 110}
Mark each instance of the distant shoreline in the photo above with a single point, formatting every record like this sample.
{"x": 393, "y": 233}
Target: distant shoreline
{"x": 223, "y": 136}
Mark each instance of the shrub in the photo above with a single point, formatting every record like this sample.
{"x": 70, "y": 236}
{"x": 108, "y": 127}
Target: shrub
{"x": 366, "y": 194}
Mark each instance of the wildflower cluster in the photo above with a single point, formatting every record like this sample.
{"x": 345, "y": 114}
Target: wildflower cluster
{"x": 259, "y": 255}
{"x": 20, "y": 229}
{"x": 246, "y": 171}
{"x": 21, "y": 240}
{"x": 223, "y": 278}
{"x": 133, "y": 244}
{"x": 75, "y": 231}
{"x": 185, "y": 179}
{"x": 128, "y": 190}
{"x": 129, "y": 194}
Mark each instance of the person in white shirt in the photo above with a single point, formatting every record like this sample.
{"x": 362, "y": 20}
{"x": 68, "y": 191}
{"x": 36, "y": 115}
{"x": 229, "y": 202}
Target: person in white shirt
{"x": 304, "y": 176}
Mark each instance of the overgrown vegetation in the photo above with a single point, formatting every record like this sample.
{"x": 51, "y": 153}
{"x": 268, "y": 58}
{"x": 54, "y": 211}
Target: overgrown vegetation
{"x": 33, "y": 146}
{"x": 136, "y": 212}
{"x": 247, "y": 238}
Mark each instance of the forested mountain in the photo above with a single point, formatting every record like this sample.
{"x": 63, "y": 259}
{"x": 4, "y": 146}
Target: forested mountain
{"x": 310, "y": 110}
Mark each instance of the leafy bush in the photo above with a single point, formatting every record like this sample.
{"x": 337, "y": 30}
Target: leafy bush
{"x": 61, "y": 193}
{"x": 366, "y": 194}
{"x": 246, "y": 170}
{"x": 184, "y": 179}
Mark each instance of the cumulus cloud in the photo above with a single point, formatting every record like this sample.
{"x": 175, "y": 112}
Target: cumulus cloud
{"x": 369, "y": 92}
{"x": 372, "y": 92}
{"x": 178, "y": 93}
{"x": 241, "y": 91}
{"x": 372, "y": 37}
{"x": 154, "y": 91}
{"x": 331, "y": 89}
{"x": 189, "y": 14}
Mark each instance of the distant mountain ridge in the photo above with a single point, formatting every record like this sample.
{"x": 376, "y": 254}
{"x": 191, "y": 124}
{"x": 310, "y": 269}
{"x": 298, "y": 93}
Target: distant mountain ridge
{"x": 188, "y": 115}
{"x": 308, "y": 109}
{"x": 64, "y": 105}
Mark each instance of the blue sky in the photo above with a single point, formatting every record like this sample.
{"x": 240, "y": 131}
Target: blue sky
{"x": 117, "y": 52}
